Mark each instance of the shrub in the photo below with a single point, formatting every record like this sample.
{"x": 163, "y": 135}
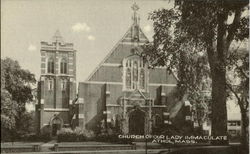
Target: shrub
{"x": 66, "y": 135}
{"x": 76, "y": 135}
{"x": 88, "y": 134}
{"x": 112, "y": 136}
{"x": 43, "y": 137}
{"x": 104, "y": 137}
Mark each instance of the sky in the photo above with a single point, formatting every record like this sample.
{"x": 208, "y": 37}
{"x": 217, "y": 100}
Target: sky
{"x": 94, "y": 26}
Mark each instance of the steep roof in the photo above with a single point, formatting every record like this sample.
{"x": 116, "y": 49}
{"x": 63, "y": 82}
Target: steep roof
{"x": 134, "y": 37}
{"x": 129, "y": 38}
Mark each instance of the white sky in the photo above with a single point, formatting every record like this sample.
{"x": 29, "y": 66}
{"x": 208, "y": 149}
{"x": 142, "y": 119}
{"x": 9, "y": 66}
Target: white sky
{"x": 94, "y": 26}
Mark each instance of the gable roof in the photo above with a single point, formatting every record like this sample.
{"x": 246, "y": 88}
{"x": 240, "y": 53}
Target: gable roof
{"x": 127, "y": 39}
{"x": 129, "y": 36}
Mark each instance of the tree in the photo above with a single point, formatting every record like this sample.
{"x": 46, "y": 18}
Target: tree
{"x": 238, "y": 84}
{"x": 15, "y": 92}
{"x": 199, "y": 33}
{"x": 8, "y": 109}
{"x": 28, "y": 124}
{"x": 207, "y": 22}
{"x": 190, "y": 68}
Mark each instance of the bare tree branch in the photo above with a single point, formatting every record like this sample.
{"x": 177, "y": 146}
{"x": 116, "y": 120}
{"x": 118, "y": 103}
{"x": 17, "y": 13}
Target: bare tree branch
{"x": 233, "y": 91}
{"x": 247, "y": 104}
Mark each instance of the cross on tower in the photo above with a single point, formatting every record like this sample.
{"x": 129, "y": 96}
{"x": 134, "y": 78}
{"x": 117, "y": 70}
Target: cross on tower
{"x": 136, "y": 20}
{"x": 57, "y": 37}
{"x": 135, "y": 7}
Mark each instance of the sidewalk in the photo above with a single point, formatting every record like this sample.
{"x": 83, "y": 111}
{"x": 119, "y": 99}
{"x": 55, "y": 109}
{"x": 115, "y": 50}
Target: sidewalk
{"x": 142, "y": 151}
{"x": 47, "y": 147}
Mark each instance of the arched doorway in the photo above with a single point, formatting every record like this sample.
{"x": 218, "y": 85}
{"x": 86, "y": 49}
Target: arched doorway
{"x": 56, "y": 125}
{"x": 136, "y": 122}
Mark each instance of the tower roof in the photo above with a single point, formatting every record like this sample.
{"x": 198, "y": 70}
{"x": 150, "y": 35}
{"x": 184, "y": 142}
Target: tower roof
{"x": 57, "y": 37}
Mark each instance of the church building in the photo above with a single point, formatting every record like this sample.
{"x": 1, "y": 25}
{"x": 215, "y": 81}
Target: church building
{"x": 56, "y": 87}
{"x": 123, "y": 93}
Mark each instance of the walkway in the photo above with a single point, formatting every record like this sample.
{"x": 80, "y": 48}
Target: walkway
{"x": 47, "y": 147}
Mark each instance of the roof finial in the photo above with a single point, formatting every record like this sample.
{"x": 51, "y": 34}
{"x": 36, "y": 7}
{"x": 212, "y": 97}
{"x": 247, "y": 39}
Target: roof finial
{"x": 135, "y": 7}
{"x": 57, "y": 37}
{"x": 135, "y": 17}
{"x": 135, "y": 27}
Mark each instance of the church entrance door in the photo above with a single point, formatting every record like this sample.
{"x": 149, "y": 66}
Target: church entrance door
{"x": 136, "y": 122}
{"x": 56, "y": 125}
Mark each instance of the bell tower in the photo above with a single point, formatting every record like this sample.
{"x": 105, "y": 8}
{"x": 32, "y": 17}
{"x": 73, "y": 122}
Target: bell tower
{"x": 56, "y": 87}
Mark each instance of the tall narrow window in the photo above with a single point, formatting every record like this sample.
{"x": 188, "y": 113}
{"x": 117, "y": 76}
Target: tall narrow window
{"x": 64, "y": 85}
{"x": 142, "y": 79}
{"x": 50, "y": 84}
{"x": 63, "y": 66}
{"x": 128, "y": 78}
{"x": 135, "y": 71}
{"x": 50, "y": 65}
{"x": 134, "y": 74}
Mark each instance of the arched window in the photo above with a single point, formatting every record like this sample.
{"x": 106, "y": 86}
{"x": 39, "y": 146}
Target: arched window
{"x": 63, "y": 66}
{"x": 134, "y": 74}
{"x": 51, "y": 65}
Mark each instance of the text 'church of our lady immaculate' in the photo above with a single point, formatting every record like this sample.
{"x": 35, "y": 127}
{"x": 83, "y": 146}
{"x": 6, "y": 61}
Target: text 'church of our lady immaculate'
{"x": 123, "y": 93}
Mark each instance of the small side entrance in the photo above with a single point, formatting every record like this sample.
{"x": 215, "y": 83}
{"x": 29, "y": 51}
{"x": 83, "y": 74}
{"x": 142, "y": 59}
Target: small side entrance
{"x": 56, "y": 125}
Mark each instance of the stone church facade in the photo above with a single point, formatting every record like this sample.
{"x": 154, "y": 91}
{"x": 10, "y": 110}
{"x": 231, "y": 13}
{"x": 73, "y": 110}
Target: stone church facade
{"x": 123, "y": 93}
